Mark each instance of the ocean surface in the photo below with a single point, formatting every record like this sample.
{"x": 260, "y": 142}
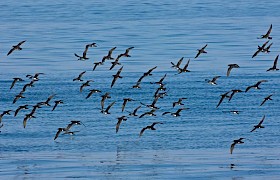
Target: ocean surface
{"x": 195, "y": 145}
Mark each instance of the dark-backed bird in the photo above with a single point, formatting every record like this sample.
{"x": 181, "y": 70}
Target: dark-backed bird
{"x": 20, "y": 108}
{"x": 34, "y": 77}
{"x": 267, "y": 35}
{"x": 212, "y": 81}
{"x": 266, "y": 99}
{"x": 18, "y": 96}
{"x": 26, "y": 118}
{"x": 109, "y": 55}
{"x": 79, "y": 77}
{"x": 179, "y": 102}
{"x": 256, "y": 86}
{"x": 116, "y": 76}
{"x": 233, "y": 92}
{"x": 16, "y": 47}
{"x": 47, "y": 102}
{"x": 103, "y": 98}
{"x": 120, "y": 119}
{"x": 260, "y": 49}
{"x": 223, "y": 96}
{"x": 116, "y": 62}
{"x": 85, "y": 84}
{"x": 14, "y": 81}
{"x": 237, "y": 141}
{"x": 160, "y": 82}
{"x": 59, "y": 130}
{"x": 72, "y": 123}
{"x": 84, "y": 57}
{"x": 175, "y": 114}
{"x": 125, "y": 54}
{"x": 202, "y": 50}
{"x": 274, "y": 68}
{"x": 106, "y": 111}
{"x": 153, "y": 105}
{"x": 92, "y": 91}
{"x": 5, "y": 113}
{"x": 125, "y": 100}
{"x": 133, "y": 113}
{"x": 177, "y": 65}
{"x": 149, "y": 72}
{"x": 230, "y": 67}
{"x": 96, "y": 64}
{"x": 267, "y": 49}
{"x": 151, "y": 127}
{"x": 149, "y": 113}
{"x": 258, "y": 125}
{"x": 28, "y": 85}
{"x": 185, "y": 68}
{"x": 57, "y": 103}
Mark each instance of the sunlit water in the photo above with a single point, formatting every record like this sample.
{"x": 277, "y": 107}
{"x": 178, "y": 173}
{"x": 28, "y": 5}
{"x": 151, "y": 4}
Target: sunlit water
{"x": 192, "y": 146}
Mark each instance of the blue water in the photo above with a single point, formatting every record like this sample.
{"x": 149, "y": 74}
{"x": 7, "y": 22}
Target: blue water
{"x": 192, "y": 146}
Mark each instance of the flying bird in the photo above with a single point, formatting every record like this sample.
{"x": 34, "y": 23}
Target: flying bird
{"x": 149, "y": 113}
{"x": 202, "y": 50}
{"x": 237, "y": 141}
{"x": 103, "y": 98}
{"x": 116, "y": 62}
{"x": 26, "y": 118}
{"x": 274, "y": 68}
{"x": 266, "y": 99}
{"x": 175, "y": 114}
{"x": 212, "y": 81}
{"x": 92, "y": 91}
{"x": 4, "y": 113}
{"x": 108, "y": 108}
{"x": 125, "y": 54}
{"x": 267, "y": 49}
{"x": 96, "y": 64}
{"x": 179, "y": 102}
{"x": 84, "y": 57}
{"x": 133, "y": 113}
{"x": 184, "y": 69}
{"x": 223, "y": 96}
{"x": 120, "y": 119}
{"x": 258, "y": 125}
{"x": 57, "y": 103}
{"x": 18, "y": 96}
{"x": 109, "y": 55}
{"x": 260, "y": 49}
{"x": 230, "y": 67}
{"x": 256, "y": 86}
{"x": 149, "y": 72}
{"x": 14, "y": 81}
{"x": 79, "y": 77}
{"x": 160, "y": 82}
{"x": 59, "y": 130}
{"x": 151, "y": 127}
{"x": 34, "y": 77}
{"x": 20, "y": 108}
{"x": 125, "y": 100}
{"x": 116, "y": 76}
{"x": 177, "y": 66}
{"x": 233, "y": 92}
{"x": 16, "y": 47}
{"x": 85, "y": 84}
{"x": 267, "y": 35}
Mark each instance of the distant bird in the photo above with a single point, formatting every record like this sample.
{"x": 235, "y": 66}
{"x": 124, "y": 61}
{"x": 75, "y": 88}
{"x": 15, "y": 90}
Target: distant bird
{"x": 108, "y": 108}
{"x": 184, "y": 69}
{"x": 96, "y": 64}
{"x": 14, "y": 81}
{"x": 109, "y": 55}
{"x": 256, "y": 86}
{"x": 58, "y": 132}
{"x": 223, "y": 96}
{"x": 46, "y": 103}
{"x": 179, "y": 102}
{"x": 230, "y": 67}
{"x": 149, "y": 72}
{"x": 266, "y": 99}
{"x": 134, "y": 111}
{"x": 258, "y": 125}
{"x": 16, "y": 47}
{"x": 153, "y": 105}
{"x": 267, "y": 35}
{"x": 212, "y": 81}
{"x": 84, "y": 57}
{"x": 116, "y": 76}
{"x": 177, "y": 66}
{"x": 20, "y": 108}
{"x": 92, "y": 91}
{"x": 202, "y": 50}
{"x": 160, "y": 82}
{"x": 5, "y": 113}
{"x": 79, "y": 77}
{"x": 34, "y": 77}
{"x": 85, "y": 84}
{"x": 103, "y": 98}
{"x": 137, "y": 85}
{"x": 120, "y": 119}
{"x": 151, "y": 127}
{"x": 28, "y": 85}
{"x": 125, "y": 54}
{"x": 260, "y": 49}
{"x": 17, "y": 97}
{"x": 233, "y": 92}
{"x": 125, "y": 100}
{"x": 72, "y": 123}
{"x": 175, "y": 114}
{"x": 149, "y": 113}
{"x": 116, "y": 62}
{"x": 237, "y": 141}
{"x": 26, "y": 118}
{"x": 57, "y": 103}
{"x": 267, "y": 49}
{"x": 274, "y": 68}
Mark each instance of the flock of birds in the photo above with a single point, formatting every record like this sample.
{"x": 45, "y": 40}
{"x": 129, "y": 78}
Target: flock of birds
{"x": 160, "y": 92}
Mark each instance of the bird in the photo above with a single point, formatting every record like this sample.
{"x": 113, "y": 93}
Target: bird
{"x": 133, "y": 113}
{"x": 57, "y": 103}
{"x": 202, "y": 50}
{"x": 109, "y": 55}
{"x": 258, "y": 125}
{"x": 108, "y": 108}
{"x": 16, "y": 47}
{"x": 267, "y": 35}
{"x": 34, "y": 77}
{"x": 233, "y": 92}
{"x": 96, "y": 64}
{"x": 125, "y": 54}
{"x": 84, "y": 57}
{"x": 230, "y": 67}
{"x": 59, "y": 130}
{"x": 46, "y": 103}
{"x": 7, "y": 112}
{"x": 153, "y": 105}
{"x": 175, "y": 114}
{"x": 151, "y": 127}
{"x": 103, "y": 98}
{"x": 212, "y": 81}
{"x": 19, "y": 96}
{"x": 14, "y": 81}
{"x": 149, "y": 113}
{"x": 236, "y": 141}
{"x": 79, "y": 77}
{"x": 116, "y": 62}
{"x": 149, "y": 72}
{"x": 177, "y": 66}
{"x": 222, "y": 98}
{"x": 160, "y": 82}
{"x": 28, "y": 85}
{"x": 85, "y": 84}
{"x": 274, "y": 68}
{"x": 184, "y": 69}
{"x": 26, "y": 118}
{"x": 125, "y": 100}
{"x": 256, "y": 86}
{"x": 179, "y": 102}
{"x": 260, "y": 49}
{"x": 266, "y": 50}
{"x": 92, "y": 91}
{"x": 20, "y": 108}
{"x": 266, "y": 98}
{"x": 116, "y": 76}
{"x": 120, "y": 119}
{"x": 72, "y": 123}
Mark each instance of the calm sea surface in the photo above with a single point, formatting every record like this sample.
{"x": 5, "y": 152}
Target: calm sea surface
{"x": 194, "y": 145}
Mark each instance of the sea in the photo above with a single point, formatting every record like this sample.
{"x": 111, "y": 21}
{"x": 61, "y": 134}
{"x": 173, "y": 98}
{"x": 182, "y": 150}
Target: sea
{"x": 194, "y": 145}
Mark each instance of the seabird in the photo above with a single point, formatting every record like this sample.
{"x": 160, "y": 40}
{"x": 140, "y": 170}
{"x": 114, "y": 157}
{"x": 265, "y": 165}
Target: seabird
{"x": 85, "y": 84}
{"x": 274, "y": 68}
{"x": 120, "y": 119}
{"x": 28, "y": 85}
{"x": 19, "y": 96}
{"x": 175, "y": 114}
{"x": 267, "y": 35}
{"x": 72, "y": 124}
{"x": 79, "y": 77}
{"x": 180, "y": 70}
{"x": 92, "y": 91}
{"x": 179, "y": 102}
{"x": 230, "y": 66}
{"x": 57, "y": 103}
{"x": 237, "y": 141}
{"x": 58, "y": 132}
{"x": 153, "y": 105}
{"x": 116, "y": 76}
{"x": 213, "y": 81}
{"x": 84, "y": 57}
{"x": 150, "y": 113}
{"x": 266, "y": 50}
{"x": 125, "y": 100}
{"x": 258, "y": 125}
{"x": 149, "y": 72}
{"x": 96, "y": 64}
{"x": 108, "y": 108}
{"x": 202, "y": 50}
{"x": 222, "y": 98}
{"x": 160, "y": 82}
{"x": 125, "y": 54}
{"x": 20, "y": 108}
{"x": 46, "y": 103}
{"x": 5, "y": 113}
{"x": 151, "y": 127}
{"x": 109, "y": 56}
{"x": 177, "y": 66}
{"x": 116, "y": 62}
{"x": 260, "y": 49}
{"x": 134, "y": 111}
{"x": 35, "y": 77}
{"x": 27, "y": 117}
{"x": 256, "y": 86}
{"x": 233, "y": 92}
{"x": 16, "y": 47}
{"x": 266, "y": 98}
{"x": 103, "y": 98}
{"x": 14, "y": 81}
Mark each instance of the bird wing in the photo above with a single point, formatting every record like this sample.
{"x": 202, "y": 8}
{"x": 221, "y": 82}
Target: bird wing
{"x": 260, "y": 123}
{"x": 269, "y": 31}
{"x": 57, "y": 134}
{"x": 229, "y": 69}
{"x": 198, "y": 53}
{"x": 256, "y": 53}
{"x": 11, "y": 50}
{"x": 54, "y": 106}
{"x": 275, "y": 61}
{"x": 13, "y": 83}
{"x": 165, "y": 113}
{"x": 118, "y": 125}
{"x": 179, "y": 62}
{"x": 107, "y": 109}
{"x": 232, "y": 147}
{"x": 248, "y": 88}
{"x": 215, "y": 78}
{"x": 263, "y": 101}
{"x": 221, "y": 100}
{"x": 142, "y": 131}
